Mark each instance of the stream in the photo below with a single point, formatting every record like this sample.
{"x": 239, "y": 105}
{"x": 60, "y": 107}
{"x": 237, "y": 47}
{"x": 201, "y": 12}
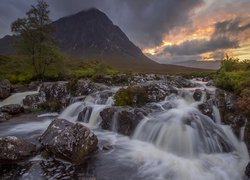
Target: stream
{"x": 177, "y": 143}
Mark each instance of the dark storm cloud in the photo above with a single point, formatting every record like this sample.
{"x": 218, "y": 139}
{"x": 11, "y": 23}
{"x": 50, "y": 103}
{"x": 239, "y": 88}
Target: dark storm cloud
{"x": 225, "y": 36}
{"x": 144, "y": 21}
{"x": 194, "y": 47}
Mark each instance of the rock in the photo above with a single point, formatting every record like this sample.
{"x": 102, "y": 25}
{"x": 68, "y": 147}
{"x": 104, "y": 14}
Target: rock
{"x": 238, "y": 123}
{"x": 197, "y": 94}
{"x": 86, "y": 87}
{"x": 72, "y": 142}
{"x": 206, "y": 109}
{"x": 56, "y": 95}
{"x": 85, "y": 114}
{"x": 4, "y": 116}
{"x": 5, "y": 88}
{"x": 122, "y": 120}
{"x": 34, "y": 100}
{"x": 157, "y": 91}
{"x": 247, "y": 171}
{"x": 12, "y": 109}
{"x": 181, "y": 82}
{"x": 14, "y": 149}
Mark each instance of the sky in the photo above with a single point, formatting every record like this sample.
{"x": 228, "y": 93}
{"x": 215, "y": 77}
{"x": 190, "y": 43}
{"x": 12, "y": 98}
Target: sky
{"x": 166, "y": 30}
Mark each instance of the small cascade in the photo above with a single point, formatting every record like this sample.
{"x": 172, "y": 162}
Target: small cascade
{"x": 115, "y": 122}
{"x": 186, "y": 132}
{"x": 72, "y": 111}
{"x": 216, "y": 115}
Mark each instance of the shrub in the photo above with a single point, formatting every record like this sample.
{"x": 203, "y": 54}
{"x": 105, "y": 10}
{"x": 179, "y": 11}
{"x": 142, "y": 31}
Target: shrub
{"x": 131, "y": 96}
{"x": 243, "y": 102}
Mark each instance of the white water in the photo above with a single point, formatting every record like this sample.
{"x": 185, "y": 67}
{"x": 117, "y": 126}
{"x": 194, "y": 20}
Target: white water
{"x": 174, "y": 144}
{"x": 17, "y": 98}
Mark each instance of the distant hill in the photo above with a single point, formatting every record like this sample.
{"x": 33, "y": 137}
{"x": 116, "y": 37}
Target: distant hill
{"x": 89, "y": 35}
{"x": 213, "y": 65}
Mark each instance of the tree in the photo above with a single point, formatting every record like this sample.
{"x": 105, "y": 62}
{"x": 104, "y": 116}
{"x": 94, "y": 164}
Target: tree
{"x": 35, "y": 38}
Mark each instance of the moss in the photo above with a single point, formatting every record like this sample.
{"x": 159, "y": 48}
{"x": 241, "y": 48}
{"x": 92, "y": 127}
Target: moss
{"x": 131, "y": 96}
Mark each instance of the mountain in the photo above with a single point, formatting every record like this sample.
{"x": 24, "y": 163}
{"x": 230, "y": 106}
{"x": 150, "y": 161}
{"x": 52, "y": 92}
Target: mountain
{"x": 92, "y": 35}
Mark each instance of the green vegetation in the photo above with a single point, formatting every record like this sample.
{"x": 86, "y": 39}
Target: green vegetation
{"x": 18, "y": 69}
{"x": 234, "y": 75}
{"x": 131, "y": 96}
{"x": 35, "y": 42}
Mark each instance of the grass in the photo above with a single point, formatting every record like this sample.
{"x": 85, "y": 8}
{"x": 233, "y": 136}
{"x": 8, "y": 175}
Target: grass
{"x": 18, "y": 69}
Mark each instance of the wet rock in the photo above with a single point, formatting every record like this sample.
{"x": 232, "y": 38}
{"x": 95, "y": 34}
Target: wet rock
{"x": 85, "y": 114}
{"x": 238, "y": 123}
{"x": 121, "y": 120}
{"x": 56, "y": 94}
{"x": 14, "y": 149}
{"x": 157, "y": 91}
{"x": 12, "y": 109}
{"x": 34, "y": 101}
{"x": 4, "y": 116}
{"x": 86, "y": 87}
{"x": 225, "y": 102}
{"x": 197, "y": 94}
{"x": 206, "y": 109}
{"x": 72, "y": 142}
{"x": 5, "y": 88}
{"x": 181, "y": 82}
{"x": 247, "y": 171}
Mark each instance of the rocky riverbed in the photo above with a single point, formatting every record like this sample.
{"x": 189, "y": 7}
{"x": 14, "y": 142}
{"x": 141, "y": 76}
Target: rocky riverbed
{"x": 122, "y": 127}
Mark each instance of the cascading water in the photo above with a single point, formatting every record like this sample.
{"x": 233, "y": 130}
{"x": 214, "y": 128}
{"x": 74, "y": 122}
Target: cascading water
{"x": 175, "y": 143}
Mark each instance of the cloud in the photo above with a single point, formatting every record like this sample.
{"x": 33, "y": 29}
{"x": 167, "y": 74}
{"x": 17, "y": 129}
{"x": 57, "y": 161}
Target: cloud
{"x": 225, "y": 36}
{"x": 144, "y": 21}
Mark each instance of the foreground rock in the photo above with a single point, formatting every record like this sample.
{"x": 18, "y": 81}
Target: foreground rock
{"x": 121, "y": 120}
{"x": 72, "y": 142}
{"x": 12, "y": 109}
{"x": 5, "y": 88}
{"x": 247, "y": 171}
{"x": 14, "y": 149}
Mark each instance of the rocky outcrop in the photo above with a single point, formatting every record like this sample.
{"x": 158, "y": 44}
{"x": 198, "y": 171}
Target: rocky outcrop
{"x": 5, "y": 88}
{"x": 158, "y": 91}
{"x": 86, "y": 87}
{"x": 12, "y": 109}
{"x": 121, "y": 120}
{"x": 14, "y": 149}
{"x": 68, "y": 141}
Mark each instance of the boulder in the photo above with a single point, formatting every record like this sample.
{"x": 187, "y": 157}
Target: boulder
{"x": 121, "y": 120}
{"x": 4, "y": 116}
{"x": 12, "y": 109}
{"x": 206, "y": 109}
{"x": 14, "y": 149}
{"x": 5, "y": 88}
{"x": 34, "y": 100}
{"x": 86, "y": 87}
{"x": 56, "y": 95}
{"x": 197, "y": 94}
{"x": 158, "y": 91}
{"x": 69, "y": 141}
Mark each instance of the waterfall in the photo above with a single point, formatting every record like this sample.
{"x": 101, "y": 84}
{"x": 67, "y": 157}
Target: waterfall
{"x": 184, "y": 131}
